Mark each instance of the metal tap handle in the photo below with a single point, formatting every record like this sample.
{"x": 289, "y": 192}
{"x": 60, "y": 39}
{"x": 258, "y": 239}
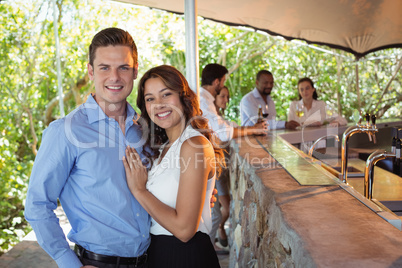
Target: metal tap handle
{"x": 374, "y": 138}
{"x": 374, "y": 127}
{"x": 393, "y": 145}
{"x": 311, "y": 150}
{"x": 369, "y": 135}
{"x": 367, "y": 116}
{"x": 360, "y": 118}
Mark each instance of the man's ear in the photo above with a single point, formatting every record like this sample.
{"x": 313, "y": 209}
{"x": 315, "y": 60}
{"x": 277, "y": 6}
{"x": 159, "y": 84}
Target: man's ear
{"x": 90, "y": 71}
{"x": 135, "y": 70}
{"x": 216, "y": 82}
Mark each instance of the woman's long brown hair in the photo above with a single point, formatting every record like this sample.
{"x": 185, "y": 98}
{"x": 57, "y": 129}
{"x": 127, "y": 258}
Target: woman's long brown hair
{"x": 175, "y": 81}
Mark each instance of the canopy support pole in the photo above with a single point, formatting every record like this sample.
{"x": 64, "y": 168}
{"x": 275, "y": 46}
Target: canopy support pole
{"x": 358, "y": 85}
{"x": 192, "y": 57}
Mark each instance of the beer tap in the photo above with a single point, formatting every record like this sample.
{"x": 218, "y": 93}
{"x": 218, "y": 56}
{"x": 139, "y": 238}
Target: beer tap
{"x": 369, "y": 127}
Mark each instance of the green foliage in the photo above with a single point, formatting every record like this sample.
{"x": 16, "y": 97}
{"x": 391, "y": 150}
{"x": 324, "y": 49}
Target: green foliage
{"x": 28, "y": 81}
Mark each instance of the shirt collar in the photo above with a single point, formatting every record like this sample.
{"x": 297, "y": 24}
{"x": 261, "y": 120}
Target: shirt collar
{"x": 95, "y": 113}
{"x": 314, "y": 103}
{"x": 257, "y": 94}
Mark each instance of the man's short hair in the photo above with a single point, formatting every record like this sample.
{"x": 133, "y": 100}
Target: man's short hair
{"x": 211, "y": 72}
{"x": 112, "y": 37}
{"x": 263, "y": 72}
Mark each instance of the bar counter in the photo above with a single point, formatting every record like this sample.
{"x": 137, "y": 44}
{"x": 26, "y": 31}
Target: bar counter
{"x": 289, "y": 211}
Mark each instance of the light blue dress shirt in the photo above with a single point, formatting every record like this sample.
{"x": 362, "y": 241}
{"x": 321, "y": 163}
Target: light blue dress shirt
{"x": 80, "y": 163}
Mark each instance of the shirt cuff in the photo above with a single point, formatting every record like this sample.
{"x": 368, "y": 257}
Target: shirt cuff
{"x": 69, "y": 260}
{"x": 226, "y": 133}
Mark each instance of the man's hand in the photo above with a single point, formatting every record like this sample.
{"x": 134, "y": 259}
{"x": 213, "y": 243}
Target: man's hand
{"x": 260, "y": 128}
{"x": 291, "y": 124}
{"x": 334, "y": 124}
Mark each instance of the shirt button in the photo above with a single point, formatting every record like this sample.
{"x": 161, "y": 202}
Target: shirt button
{"x": 138, "y": 214}
{"x": 143, "y": 235}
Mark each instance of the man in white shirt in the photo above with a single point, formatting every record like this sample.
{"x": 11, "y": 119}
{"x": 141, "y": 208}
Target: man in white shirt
{"x": 212, "y": 81}
{"x": 261, "y": 96}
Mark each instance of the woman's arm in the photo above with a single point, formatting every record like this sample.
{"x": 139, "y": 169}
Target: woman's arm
{"x": 292, "y": 111}
{"x": 197, "y": 165}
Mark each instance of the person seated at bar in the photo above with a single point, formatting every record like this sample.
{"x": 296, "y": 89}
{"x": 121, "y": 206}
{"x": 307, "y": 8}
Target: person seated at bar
{"x": 222, "y": 184}
{"x": 309, "y": 111}
{"x": 260, "y": 96}
{"x": 221, "y": 102}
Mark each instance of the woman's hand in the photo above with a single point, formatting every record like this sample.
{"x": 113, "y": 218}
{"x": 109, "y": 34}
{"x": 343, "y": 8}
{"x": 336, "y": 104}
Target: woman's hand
{"x": 334, "y": 124}
{"x": 213, "y": 198}
{"x": 136, "y": 173}
{"x": 313, "y": 124}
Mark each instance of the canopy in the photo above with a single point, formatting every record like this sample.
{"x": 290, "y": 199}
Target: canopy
{"x": 356, "y": 26}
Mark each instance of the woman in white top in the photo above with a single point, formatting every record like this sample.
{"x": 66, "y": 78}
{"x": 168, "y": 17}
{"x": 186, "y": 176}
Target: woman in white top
{"x": 222, "y": 184}
{"x": 309, "y": 111}
{"x": 176, "y": 190}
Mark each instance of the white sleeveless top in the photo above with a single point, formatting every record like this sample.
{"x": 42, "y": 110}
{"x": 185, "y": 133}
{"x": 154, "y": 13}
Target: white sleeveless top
{"x": 164, "y": 178}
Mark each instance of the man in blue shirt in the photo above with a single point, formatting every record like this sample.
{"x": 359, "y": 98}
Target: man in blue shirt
{"x": 80, "y": 163}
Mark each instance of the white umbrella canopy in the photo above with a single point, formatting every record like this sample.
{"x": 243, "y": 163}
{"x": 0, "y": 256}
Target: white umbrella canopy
{"x": 356, "y": 26}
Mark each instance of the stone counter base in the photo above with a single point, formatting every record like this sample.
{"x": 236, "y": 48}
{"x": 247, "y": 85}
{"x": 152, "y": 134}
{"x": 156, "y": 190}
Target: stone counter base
{"x": 276, "y": 222}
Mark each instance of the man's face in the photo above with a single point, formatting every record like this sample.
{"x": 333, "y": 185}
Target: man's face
{"x": 265, "y": 84}
{"x": 220, "y": 84}
{"x": 113, "y": 73}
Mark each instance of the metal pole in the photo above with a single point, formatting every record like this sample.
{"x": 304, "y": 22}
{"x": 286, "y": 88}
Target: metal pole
{"x": 59, "y": 78}
{"x": 192, "y": 57}
{"x": 357, "y": 85}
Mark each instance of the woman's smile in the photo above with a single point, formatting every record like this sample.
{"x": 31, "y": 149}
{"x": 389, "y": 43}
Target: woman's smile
{"x": 163, "y": 115}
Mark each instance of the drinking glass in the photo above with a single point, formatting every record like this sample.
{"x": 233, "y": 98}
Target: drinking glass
{"x": 265, "y": 111}
{"x": 330, "y": 111}
{"x": 300, "y": 112}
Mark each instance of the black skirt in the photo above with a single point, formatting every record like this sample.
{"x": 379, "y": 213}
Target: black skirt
{"x": 168, "y": 251}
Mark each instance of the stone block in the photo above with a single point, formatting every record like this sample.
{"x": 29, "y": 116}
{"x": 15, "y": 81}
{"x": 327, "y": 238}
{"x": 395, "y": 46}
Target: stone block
{"x": 238, "y": 241}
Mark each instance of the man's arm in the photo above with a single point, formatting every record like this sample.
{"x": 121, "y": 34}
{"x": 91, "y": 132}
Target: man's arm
{"x": 291, "y": 124}
{"x": 49, "y": 175}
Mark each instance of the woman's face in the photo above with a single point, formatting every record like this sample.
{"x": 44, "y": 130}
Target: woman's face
{"x": 222, "y": 99}
{"x": 163, "y": 105}
{"x": 306, "y": 91}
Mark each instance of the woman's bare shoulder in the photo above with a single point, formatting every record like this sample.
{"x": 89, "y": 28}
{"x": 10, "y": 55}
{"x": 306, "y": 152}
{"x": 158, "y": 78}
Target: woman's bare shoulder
{"x": 197, "y": 144}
